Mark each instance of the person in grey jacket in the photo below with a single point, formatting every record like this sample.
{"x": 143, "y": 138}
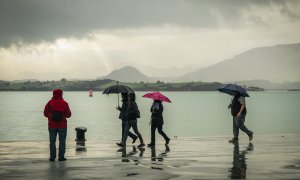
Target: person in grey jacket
{"x": 131, "y": 115}
{"x": 238, "y": 112}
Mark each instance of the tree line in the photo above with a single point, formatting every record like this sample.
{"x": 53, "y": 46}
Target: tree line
{"x": 85, "y": 85}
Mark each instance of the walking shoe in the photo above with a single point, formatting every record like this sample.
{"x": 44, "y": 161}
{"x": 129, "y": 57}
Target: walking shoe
{"x": 233, "y": 140}
{"x": 150, "y": 145}
{"x": 134, "y": 139}
{"x": 167, "y": 149}
{"x": 141, "y": 145}
{"x": 51, "y": 159}
{"x": 167, "y": 141}
{"x": 62, "y": 159}
{"x": 119, "y": 144}
{"x": 122, "y": 149}
{"x": 250, "y": 136}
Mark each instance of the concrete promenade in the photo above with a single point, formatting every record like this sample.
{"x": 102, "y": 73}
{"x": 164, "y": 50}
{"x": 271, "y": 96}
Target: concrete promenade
{"x": 267, "y": 157}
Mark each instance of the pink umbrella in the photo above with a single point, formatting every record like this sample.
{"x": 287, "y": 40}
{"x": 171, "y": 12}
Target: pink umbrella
{"x": 157, "y": 96}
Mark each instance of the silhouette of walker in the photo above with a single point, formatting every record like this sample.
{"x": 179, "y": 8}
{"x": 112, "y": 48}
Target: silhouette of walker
{"x": 132, "y": 114}
{"x": 161, "y": 156}
{"x": 157, "y": 159}
{"x": 239, "y": 168}
{"x": 122, "y": 116}
{"x": 238, "y": 109}
{"x": 126, "y": 157}
{"x": 157, "y": 119}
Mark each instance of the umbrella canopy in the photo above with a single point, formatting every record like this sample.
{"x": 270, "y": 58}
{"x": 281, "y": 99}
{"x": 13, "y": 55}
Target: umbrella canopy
{"x": 157, "y": 96}
{"x": 116, "y": 89}
{"x": 229, "y": 88}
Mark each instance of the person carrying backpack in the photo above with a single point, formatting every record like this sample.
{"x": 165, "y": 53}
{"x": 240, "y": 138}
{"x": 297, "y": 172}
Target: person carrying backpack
{"x": 57, "y": 111}
{"x": 131, "y": 115}
{"x": 122, "y": 116}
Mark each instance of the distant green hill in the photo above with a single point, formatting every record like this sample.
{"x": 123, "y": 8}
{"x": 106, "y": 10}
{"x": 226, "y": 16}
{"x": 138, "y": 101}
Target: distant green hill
{"x": 50, "y": 85}
{"x": 102, "y": 84}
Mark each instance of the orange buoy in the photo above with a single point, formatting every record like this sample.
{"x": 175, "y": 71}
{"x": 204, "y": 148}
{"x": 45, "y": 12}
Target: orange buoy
{"x": 90, "y": 93}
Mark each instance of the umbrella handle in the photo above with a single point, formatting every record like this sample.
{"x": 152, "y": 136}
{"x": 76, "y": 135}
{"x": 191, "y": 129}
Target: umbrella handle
{"x": 118, "y": 93}
{"x": 118, "y": 101}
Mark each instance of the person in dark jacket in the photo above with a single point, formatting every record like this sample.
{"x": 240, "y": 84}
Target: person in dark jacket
{"x": 131, "y": 116}
{"x": 122, "y": 116}
{"x": 57, "y": 124}
{"x": 238, "y": 112}
{"x": 157, "y": 122}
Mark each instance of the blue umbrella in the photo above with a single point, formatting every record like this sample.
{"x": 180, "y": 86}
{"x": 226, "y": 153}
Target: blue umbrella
{"x": 229, "y": 88}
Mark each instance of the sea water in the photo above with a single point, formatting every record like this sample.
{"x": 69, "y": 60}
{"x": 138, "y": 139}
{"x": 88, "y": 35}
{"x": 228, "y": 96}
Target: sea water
{"x": 191, "y": 114}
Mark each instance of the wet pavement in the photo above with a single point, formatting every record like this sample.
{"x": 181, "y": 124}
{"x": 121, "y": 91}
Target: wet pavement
{"x": 267, "y": 157}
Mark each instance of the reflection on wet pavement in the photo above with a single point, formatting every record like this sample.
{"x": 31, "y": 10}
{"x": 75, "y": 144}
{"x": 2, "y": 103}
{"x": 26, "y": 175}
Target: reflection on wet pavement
{"x": 239, "y": 168}
{"x": 131, "y": 155}
{"x": 161, "y": 156}
{"x": 274, "y": 157}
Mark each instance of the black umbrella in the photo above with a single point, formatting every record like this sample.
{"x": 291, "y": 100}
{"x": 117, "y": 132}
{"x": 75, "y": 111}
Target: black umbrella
{"x": 229, "y": 88}
{"x": 117, "y": 89}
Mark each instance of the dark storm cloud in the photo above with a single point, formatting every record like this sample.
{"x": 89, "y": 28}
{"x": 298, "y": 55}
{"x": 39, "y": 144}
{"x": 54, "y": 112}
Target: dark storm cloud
{"x": 31, "y": 21}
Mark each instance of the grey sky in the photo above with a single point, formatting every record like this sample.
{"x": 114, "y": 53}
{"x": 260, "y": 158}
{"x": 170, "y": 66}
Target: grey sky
{"x": 37, "y": 20}
{"x": 38, "y": 35}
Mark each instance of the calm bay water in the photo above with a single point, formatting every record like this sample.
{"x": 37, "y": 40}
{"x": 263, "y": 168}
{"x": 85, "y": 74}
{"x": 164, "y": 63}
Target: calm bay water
{"x": 192, "y": 114}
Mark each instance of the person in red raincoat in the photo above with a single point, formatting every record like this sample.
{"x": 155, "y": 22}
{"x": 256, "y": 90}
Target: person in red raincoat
{"x": 57, "y": 111}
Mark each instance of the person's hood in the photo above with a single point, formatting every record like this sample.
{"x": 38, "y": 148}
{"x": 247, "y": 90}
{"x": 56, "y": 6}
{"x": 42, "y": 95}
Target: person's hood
{"x": 124, "y": 97}
{"x": 57, "y": 94}
{"x": 132, "y": 96}
{"x": 157, "y": 101}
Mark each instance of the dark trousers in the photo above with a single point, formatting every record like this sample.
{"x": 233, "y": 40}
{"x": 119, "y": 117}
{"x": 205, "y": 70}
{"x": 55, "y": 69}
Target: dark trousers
{"x": 157, "y": 126}
{"x": 133, "y": 124}
{"x": 238, "y": 123}
{"x": 62, "y": 134}
{"x": 130, "y": 134}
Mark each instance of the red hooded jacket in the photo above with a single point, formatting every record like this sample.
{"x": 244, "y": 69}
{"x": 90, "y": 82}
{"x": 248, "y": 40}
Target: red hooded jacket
{"x": 57, "y": 103}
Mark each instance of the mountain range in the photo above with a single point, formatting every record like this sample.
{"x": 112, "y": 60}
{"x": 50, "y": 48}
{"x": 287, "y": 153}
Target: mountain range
{"x": 277, "y": 63}
{"x": 275, "y": 67}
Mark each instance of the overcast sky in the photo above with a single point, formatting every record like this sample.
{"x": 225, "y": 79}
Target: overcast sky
{"x": 86, "y": 39}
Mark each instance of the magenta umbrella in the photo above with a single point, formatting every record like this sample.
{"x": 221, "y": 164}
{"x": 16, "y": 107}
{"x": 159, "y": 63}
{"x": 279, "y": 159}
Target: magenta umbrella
{"x": 157, "y": 96}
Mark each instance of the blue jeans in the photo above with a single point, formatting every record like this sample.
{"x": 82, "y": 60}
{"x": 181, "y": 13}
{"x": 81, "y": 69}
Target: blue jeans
{"x": 238, "y": 123}
{"x": 62, "y": 134}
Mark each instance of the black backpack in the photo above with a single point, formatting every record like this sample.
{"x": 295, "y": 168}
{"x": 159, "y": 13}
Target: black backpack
{"x": 138, "y": 114}
{"x": 134, "y": 115}
{"x": 56, "y": 116}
